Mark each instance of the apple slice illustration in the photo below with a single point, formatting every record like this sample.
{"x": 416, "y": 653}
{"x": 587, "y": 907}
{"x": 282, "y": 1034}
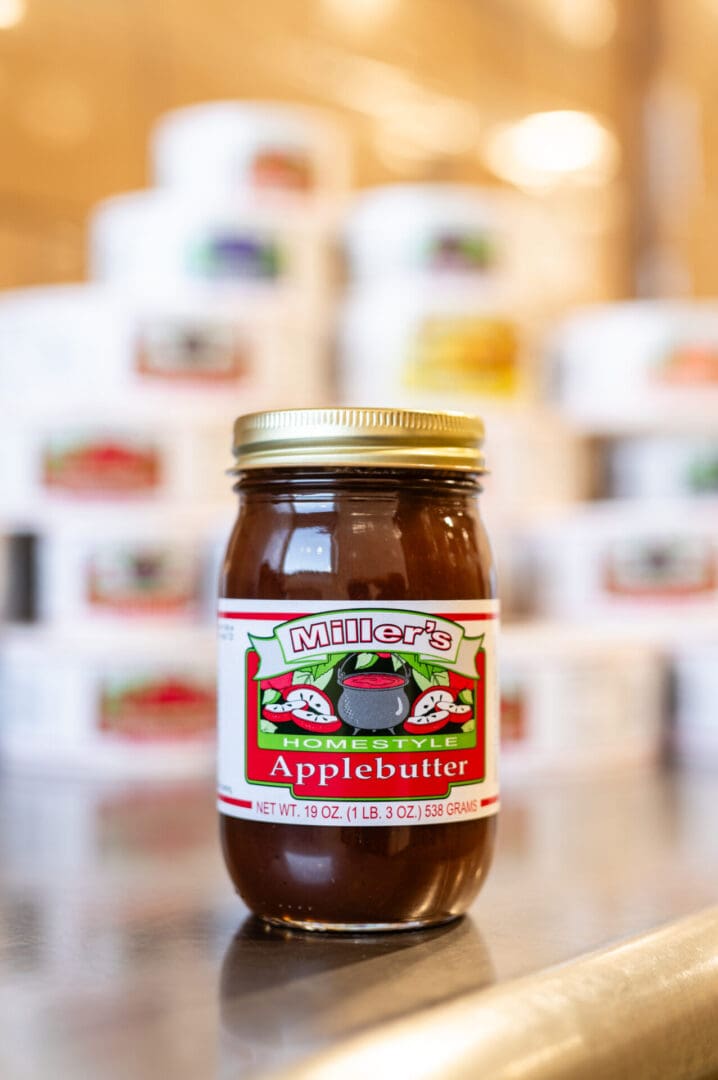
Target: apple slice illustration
{"x": 433, "y": 709}
{"x": 439, "y": 697}
{"x": 312, "y": 709}
{"x": 308, "y": 707}
{"x": 430, "y": 721}
{"x": 458, "y": 714}
{"x": 279, "y": 713}
{"x": 316, "y": 722}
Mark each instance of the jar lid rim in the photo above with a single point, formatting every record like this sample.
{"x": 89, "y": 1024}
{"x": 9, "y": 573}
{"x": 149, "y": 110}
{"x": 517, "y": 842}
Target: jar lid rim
{"x": 359, "y": 437}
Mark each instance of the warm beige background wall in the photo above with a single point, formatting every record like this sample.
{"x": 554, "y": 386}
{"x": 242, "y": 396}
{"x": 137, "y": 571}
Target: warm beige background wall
{"x": 81, "y": 83}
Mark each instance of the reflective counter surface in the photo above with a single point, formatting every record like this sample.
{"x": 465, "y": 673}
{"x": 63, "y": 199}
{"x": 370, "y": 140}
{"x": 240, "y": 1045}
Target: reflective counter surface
{"x": 124, "y": 953}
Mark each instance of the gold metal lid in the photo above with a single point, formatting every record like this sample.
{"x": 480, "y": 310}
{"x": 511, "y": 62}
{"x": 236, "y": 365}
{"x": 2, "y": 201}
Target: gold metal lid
{"x": 368, "y": 438}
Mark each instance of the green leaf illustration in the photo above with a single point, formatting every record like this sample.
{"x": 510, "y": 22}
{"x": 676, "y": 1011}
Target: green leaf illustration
{"x": 270, "y": 696}
{"x": 327, "y": 665}
{"x": 466, "y": 697}
{"x": 301, "y": 677}
{"x": 470, "y": 725}
{"x": 439, "y": 676}
{"x": 416, "y": 665}
{"x": 324, "y": 679}
{"x": 267, "y": 726}
{"x": 365, "y": 659}
{"x": 422, "y": 682}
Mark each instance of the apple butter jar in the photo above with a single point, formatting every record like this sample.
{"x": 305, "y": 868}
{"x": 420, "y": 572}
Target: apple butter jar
{"x": 358, "y": 715}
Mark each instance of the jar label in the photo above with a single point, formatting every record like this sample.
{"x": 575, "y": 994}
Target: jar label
{"x": 109, "y": 464}
{"x": 661, "y": 567}
{"x": 477, "y": 354}
{"x": 136, "y": 579}
{"x": 689, "y": 364}
{"x": 159, "y": 706}
{"x": 282, "y": 170}
{"x": 236, "y": 256}
{"x": 340, "y": 714}
{"x": 201, "y": 351}
{"x": 460, "y": 250}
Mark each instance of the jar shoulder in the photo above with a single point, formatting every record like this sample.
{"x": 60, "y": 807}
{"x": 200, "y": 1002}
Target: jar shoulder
{"x": 366, "y": 548}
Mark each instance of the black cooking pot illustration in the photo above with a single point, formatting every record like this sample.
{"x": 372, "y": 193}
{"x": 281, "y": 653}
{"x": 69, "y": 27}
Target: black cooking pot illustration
{"x": 372, "y": 700}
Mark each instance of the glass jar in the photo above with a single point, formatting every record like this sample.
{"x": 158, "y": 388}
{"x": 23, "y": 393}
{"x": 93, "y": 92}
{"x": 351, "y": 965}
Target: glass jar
{"x": 358, "y": 699}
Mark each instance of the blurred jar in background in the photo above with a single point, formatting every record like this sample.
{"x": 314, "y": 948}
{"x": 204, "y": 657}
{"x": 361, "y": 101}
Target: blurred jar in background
{"x": 620, "y": 560}
{"x": 577, "y": 701}
{"x": 269, "y": 151}
{"x": 638, "y": 366}
{"x": 112, "y": 703}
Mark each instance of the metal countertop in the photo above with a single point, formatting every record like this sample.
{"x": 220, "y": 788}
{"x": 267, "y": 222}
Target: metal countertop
{"x": 124, "y": 952}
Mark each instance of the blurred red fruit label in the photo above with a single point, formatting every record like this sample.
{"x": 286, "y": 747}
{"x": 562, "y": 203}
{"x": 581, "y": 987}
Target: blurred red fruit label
{"x": 282, "y": 170}
{"x": 514, "y": 728}
{"x": 690, "y": 365}
{"x": 365, "y": 716}
{"x": 166, "y": 707}
{"x": 109, "y": 465}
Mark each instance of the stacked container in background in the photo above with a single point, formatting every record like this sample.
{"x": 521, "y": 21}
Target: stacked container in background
{"x": 641, "y": 381}
{"x": 211, "y": 297}
{"x": 436, "y": 317}
{"x": 429, "y": 312}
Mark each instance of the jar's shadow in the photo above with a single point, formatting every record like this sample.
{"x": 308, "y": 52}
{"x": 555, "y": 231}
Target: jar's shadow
{"x": 286, "y": 993}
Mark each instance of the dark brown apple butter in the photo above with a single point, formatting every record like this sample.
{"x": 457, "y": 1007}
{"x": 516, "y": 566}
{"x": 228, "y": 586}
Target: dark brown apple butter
{"x": 374, "y": 536}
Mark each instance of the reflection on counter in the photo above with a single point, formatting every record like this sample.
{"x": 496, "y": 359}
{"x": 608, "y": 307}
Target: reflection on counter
{"x": 283, "y": 992}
